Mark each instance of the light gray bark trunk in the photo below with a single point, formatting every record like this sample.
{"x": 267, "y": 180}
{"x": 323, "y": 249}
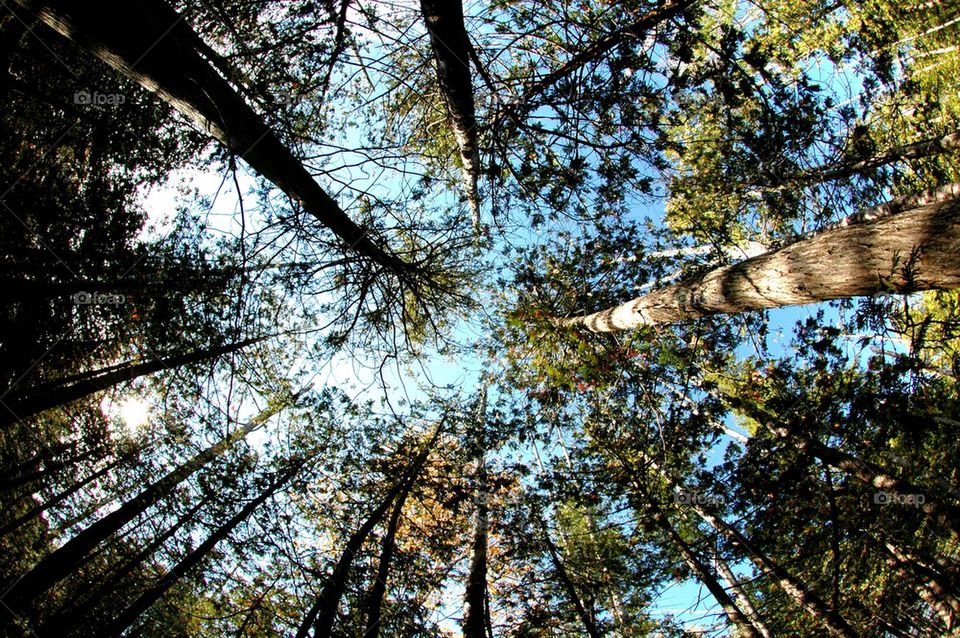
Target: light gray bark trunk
{"x": 743, "y": 599}
{"x": 914, "y": 250}
{"x": 451, "y": 52}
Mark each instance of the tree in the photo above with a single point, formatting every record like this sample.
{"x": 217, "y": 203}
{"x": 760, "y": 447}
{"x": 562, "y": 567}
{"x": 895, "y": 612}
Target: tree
{"x": 157, "y": 49}
{"x": 904, "y": 253}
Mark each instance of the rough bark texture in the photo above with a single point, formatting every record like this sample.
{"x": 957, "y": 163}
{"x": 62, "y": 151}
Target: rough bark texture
{"x": 150, "y": 43}
{"x": 911, "y": 251}
{"x": 451, "y": 53}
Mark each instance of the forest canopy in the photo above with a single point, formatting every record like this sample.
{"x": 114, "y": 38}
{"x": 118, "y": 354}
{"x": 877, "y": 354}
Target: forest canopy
{"x": 515, "y": 319}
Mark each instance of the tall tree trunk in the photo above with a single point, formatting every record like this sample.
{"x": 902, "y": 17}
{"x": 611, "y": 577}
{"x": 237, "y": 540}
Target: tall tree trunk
{"x": 32, "y": 403}
{"x": 914, "y": 250}
{"x": 476, "y": 617}
{"x": 451, "y": 52}
{"x": 803, "y": 596}
{"x": 152, "y": 44}
{"x": 743, "y": 598}
{"x": 61, "y": 562}
{"x": 72, "y": 616}
{"x": 323, "y": 613}
{"x": 129, "y": 615}
{"x": 700, "y": 570}
{"x": 373, "y": 605}
{"x": 58, "y": 498}
{"x": 585, "y": 617}
{"x": 933, "y": 587}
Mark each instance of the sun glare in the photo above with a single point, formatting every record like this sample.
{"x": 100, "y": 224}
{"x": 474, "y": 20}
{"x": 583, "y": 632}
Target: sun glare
{"x": 134, "y": 412}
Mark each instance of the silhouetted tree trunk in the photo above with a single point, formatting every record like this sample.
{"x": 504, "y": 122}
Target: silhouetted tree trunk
{"x": 191, "y": 560}
{"x": 803, "y": 596}
{"x": 323, "y": 613}
{"x": 72, "y": 616}
{"x": 373, "y": 605}
{"x": 60, "y": 563}
{"x": 35, "y": 402}
{"x": 701, "y": 571}
{"x": 150, "y": 43}
{"x": 58, "y": 498}
{"x": 911, "y": 251}
{"x": 476, "y": 618}
{"x": 588, "y": 624}
{"x": 931, "y": 586}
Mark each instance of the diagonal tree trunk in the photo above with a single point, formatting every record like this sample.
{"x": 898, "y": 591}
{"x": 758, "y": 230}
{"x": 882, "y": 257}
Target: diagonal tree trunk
{"x": 63, "y": 561}
{"x": 911, "y": 251}
{"x": 73, "y": 615}
{"x": 929, "y": 585}
{"x": 58, "y": 498}
{"x": 700, "y": 569}
{"x": 32, "y": 403}
{"x": 150, "y": 43}
{"x": 451, "y": 53}
{"x": 373, "y": 605}
{"x": 323, "y": 613}
{"x": 743, "y": 598}
{"x": 136, "y": 609}
{"x": 789, "y": 583}
{"x": 588, "y": 624}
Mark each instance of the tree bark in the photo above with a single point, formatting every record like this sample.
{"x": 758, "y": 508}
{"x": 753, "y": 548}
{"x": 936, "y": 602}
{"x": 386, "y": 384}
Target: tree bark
{"x": 150, "y": 43}
{"x": 34, "y": 402}
{"x": 908, "y": 252}
{"x": 476, "y": 616}
{"x": 743, "y": 598}
{"x": 191, "y": 560}
{"x": 803, "y": 596}
{"x": 930, "y": 585}
{"x": 60, "y": 563}
{"x": 451, "y": 52}
{"x": 703, "y": 573}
